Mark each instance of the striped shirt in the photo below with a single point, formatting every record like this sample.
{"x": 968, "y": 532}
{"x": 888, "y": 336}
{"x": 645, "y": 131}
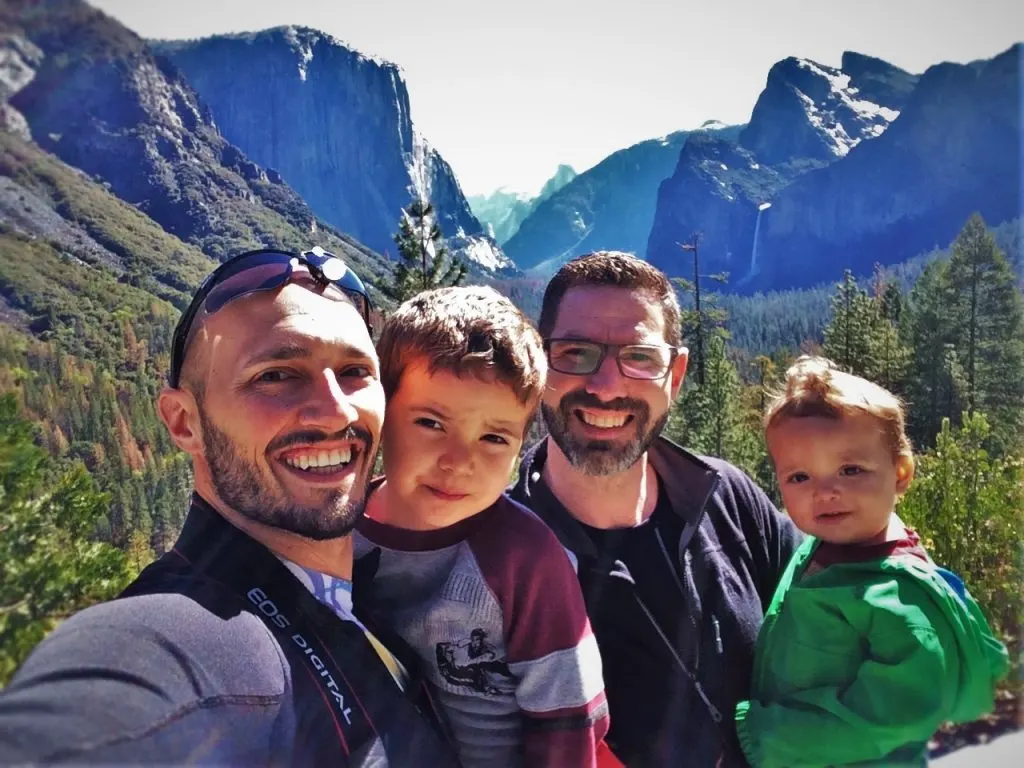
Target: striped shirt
{"x": 493, "y": 608}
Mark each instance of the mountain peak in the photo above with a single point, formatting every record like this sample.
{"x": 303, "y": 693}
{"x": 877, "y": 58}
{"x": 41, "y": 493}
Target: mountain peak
{"x": 808, "y": 109}
{"x": 857, "y": 64}
{"x": 879, "y": 81}
{"x": 563, "y": 175}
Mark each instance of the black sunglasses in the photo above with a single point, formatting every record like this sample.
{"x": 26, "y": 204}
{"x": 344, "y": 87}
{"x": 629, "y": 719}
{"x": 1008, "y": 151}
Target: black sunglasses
{"x": 262, "y": 270}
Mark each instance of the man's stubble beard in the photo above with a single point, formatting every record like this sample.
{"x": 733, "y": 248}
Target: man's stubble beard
{"x": 241, "y": 486}
{"x": 601, "y": 457}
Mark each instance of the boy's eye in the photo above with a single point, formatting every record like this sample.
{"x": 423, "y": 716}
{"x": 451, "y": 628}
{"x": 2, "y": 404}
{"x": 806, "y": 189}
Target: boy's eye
{"x": 497, "y": 439}
{"x": 851, "y": 470}
{"x": 797, "y": 477}
{"x": 423, "y": 421}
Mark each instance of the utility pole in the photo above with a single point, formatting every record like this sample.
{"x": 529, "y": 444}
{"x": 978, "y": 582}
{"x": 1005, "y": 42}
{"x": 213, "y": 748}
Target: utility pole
{"x": 692, "y": 247}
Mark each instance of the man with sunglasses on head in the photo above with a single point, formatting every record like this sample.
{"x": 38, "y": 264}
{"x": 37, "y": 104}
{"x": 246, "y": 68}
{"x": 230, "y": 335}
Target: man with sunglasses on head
{"x": 678, "y": 555}
{"x": 239, "y": 646}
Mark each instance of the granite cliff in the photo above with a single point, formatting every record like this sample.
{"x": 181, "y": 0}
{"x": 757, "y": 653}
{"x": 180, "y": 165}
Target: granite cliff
{"x": 336, "y": 125}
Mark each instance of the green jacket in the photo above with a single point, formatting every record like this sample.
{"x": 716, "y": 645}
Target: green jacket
{"x": 859, "y": 663}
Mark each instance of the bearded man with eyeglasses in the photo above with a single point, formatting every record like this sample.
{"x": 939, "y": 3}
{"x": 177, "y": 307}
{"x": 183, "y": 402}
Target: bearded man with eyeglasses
{"x": 240, "y": 645}
{"x": 678, "y": 555}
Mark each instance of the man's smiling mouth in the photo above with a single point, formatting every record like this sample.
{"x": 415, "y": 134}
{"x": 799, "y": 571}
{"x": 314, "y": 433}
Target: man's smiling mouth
{"x": 321, "y": 462}
{"x": 603, "y": 420}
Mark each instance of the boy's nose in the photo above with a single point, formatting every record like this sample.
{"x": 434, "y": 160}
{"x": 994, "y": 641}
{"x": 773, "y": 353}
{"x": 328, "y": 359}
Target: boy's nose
{"x": 456, "y": 458}
{"x": 826, "y": 490}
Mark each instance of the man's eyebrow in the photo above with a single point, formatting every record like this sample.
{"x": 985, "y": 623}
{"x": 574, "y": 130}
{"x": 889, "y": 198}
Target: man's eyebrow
{"x": 279, "y": 353}
{"x": 572, "y": 336}
{"x": 294, "y": 350}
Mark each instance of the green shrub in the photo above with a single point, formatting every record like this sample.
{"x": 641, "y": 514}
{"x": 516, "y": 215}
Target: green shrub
{"x": 968, "y": 508}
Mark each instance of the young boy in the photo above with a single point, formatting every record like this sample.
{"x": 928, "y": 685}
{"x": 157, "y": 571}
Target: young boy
{"x": 476, "y": 584}
{"x": 868, "y": 646}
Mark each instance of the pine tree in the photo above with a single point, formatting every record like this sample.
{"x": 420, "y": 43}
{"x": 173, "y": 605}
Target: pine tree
{"x": 988, "y": 328}
{"x": 964, "y": 326}
{"x": 849, "y": 336}
{"x": 893, "y": 355}
{"x": 861, "y": 336}
{"x": 934, "y": 391}
{"x": 713, "y": 418}
{"x": 423, "y": 258}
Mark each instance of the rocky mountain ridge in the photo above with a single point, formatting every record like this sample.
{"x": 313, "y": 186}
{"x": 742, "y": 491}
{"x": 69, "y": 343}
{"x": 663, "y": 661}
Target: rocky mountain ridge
{"x": 845, "y": 168}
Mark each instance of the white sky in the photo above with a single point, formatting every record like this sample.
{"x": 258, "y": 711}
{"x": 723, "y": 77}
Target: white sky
{"x": 507, "y": 91}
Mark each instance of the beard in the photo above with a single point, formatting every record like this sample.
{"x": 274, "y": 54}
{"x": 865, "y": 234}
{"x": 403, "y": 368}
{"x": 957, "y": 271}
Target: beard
{"x": 601, "y": 457}
{"x": 242, "y": 487}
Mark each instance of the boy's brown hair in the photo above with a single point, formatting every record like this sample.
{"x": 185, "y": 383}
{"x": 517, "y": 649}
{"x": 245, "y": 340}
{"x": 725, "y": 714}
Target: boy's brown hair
{"x": 466, "y": 331}
{"x": 814, "y": 386}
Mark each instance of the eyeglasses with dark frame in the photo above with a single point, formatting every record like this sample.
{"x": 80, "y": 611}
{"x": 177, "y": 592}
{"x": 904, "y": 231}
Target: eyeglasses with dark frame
{"x": 265, "y": 269}
{"x": 580, "y": 357}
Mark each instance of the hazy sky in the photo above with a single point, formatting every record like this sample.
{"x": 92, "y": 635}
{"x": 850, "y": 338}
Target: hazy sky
{"x": 506, "y": 91}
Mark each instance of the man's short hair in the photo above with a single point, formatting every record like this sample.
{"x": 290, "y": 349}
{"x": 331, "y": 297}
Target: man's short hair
{"x": 466, "y": 331}
{"x": 618, "y": 270}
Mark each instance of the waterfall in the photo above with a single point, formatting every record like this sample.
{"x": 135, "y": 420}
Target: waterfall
{"x": 757, "y": 236}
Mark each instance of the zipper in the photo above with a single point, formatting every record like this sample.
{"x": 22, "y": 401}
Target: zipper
{"x": 716, "y": 715}
{"x": 678, "y": 583}
{"x": 671, "y": 565}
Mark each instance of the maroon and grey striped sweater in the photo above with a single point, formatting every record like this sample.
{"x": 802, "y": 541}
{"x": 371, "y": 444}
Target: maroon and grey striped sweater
{"x": 493, "y": 608}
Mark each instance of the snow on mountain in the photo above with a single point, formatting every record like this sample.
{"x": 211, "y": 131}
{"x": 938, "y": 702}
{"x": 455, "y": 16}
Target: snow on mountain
{"x": 481, "y": 250}
{"x": 813, "y": 111}
{"x": 843, "y": 117}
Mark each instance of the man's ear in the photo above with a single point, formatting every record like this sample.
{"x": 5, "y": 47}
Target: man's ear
{"x": 904, "y": 473}
{"x": 679, "y": 370}
{"x": 180, "y": 414}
